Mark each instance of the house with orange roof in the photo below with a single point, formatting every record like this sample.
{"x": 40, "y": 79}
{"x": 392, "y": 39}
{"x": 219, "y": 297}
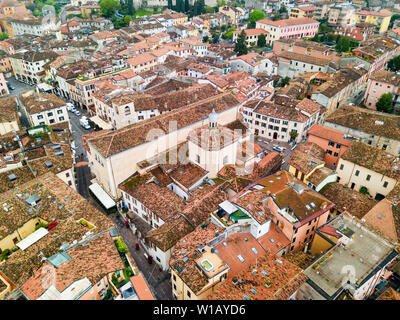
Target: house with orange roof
{"x": 303, "y": 11}
{"x": 251, "y": 36}
{"x": 143, "y": 62}
{"x": 281, "y": 119}
{"x": 212, "y": 256}
{"x": 196, "y": 44}
{"x": 333, "y": 142}
{"x": 282, "y": 200}
{"x": 80, "y": 273}
{"x": 253, "y": 63}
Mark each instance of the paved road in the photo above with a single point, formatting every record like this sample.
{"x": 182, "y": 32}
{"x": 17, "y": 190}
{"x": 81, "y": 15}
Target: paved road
{"x": 267, "y": 145}
{"x": 157, "y": 279}
{"x": 19, "y": 87}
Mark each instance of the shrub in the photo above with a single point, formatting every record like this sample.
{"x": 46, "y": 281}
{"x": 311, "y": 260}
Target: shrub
{"x": 5, "y": 254}
{"x": 364, "y": 190}
{"x": 121, "y": 246}
{"x": 83, "y": 222}
{"x": 40, "y": 225}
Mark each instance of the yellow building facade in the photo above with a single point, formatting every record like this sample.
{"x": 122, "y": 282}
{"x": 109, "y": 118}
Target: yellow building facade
{"x": 380, "y": 19}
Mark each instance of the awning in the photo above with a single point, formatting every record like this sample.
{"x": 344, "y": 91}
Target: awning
{"x": 101, "y": 123}
{"x": 103, "y": 196}
{"x": 32, "y": 238}
{"x": 228, "y": 207}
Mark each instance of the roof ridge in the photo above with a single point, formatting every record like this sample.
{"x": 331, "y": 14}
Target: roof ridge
{"x": 170, "y": 112}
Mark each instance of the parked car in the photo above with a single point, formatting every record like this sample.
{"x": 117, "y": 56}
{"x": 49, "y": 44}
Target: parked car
{"x": 278, "y": 148}
{"x": 10, "y": 86}
{"x": 77, "y": 112}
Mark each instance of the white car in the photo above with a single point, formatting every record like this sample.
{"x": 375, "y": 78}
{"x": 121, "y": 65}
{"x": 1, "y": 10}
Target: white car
{"x": 278, "y": 148}
{"x": 77, "y": 112}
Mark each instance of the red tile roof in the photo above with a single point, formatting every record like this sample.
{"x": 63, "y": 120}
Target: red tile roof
{"x": 329, "y": 134}
{"x": 288, "y": 22}
{"x": 141, "y": 287}
{"x": 373, "y": 13}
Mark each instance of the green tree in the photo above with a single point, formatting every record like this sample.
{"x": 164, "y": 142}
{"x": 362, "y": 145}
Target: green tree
{"x": 229, "y": 33}
{"x": 240, "y": 45}
{"x": 343, "y": 44}
{"x": 255, "y": 15}
{"x": 393, "y": 19}
{"x": 385, "y": 103}
{"x": 215, "y": 37}
{"x": 261, "y": 41}
{"x": 126, "y": 20}
{"x": 179, "y": 6}
{"x": 282, "y": 9}
{"x": 206, "y": 38}
{"x": 169, "y": 4}
{"x": 221, "y": 3}
{"x": 3, "y": 36}
{"x": 285, "y": 81}
{"x": 130, "y": 10}
{"x": 108, "y": 7}
{"x": 187, "y": 6}
{"x": 394, "y": 64}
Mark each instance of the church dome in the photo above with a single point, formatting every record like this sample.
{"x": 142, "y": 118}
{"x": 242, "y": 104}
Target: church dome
{"x": 213, "y": 116}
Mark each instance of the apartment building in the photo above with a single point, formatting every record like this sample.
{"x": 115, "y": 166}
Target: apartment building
{"x": 379, "y": 83}
{"x": 341, "y": 14}
{"x": 252, "y": 63}
{"x": 379, "y": 19}
{"x": 333, "y": 142}
{"x": 251, "y": 36}
{"x": 373, "y": 128}
{"x": 346, "y": 241}
{"x": 88, "y": 279}
{"x": 332, "y": 90}
{"x": 307, "y": 165}
{"x": 34, "y": 26}
{"x": 121, "y": 106}
{"x": 200, "y": 48}
{"x": 376, "y": 51}
{"x": 28, "y": 67}
{"x": 294, "y": 208}
{"x": 302, "y": 12}
{"x": 288, "y": 28}
{"x": 235, "y": 14}
{"x": 3, "y": 85}
{"x": 310, "y": 48}
{"x": 43, "y": 108}
{"x": 292, "y": 64}
{"x": 365, "y": 167}
{"x": 288, "y": 120}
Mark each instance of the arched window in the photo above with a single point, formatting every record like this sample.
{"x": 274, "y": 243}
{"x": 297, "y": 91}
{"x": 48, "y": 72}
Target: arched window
{"x": 127, "y": 111}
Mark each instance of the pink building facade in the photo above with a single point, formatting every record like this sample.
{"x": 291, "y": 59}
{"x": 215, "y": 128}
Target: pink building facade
{"x": 378, "y": 84}
{"x": 3, "y": 86}
{"x": 289, "y": 28}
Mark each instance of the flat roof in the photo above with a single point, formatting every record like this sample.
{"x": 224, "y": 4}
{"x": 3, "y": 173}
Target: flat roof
{"x": 103, "y": 196}
{"x": 32, "y": 238}
{"x": 364, "y": 252}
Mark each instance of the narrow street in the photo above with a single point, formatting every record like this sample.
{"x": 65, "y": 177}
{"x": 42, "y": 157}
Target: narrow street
{"x": 268, "y": 144}
{"x": 158, "y": 280}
